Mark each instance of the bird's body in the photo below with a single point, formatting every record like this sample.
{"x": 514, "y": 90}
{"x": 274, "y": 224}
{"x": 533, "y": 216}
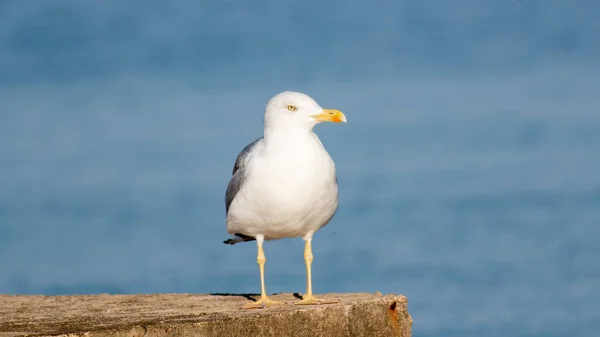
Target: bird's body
{"x": 291, "y": 191}
{"x": 284, "y": 184}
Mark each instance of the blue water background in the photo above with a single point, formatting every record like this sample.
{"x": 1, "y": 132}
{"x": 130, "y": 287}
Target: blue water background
{"x": 469, "y": 169}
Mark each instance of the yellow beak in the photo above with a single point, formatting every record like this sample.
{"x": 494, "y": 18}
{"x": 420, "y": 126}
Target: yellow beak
{"x": 330, "y": 115}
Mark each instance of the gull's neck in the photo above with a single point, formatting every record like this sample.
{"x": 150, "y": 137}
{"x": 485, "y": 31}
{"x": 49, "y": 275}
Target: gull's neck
{"x": 282, "y": 134}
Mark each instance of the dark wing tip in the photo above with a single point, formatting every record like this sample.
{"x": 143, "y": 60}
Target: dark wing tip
{"x": 239, "y": 238}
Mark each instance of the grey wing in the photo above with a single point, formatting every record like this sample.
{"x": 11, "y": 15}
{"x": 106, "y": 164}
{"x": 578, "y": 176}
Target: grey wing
{"x": 239, "y": 174}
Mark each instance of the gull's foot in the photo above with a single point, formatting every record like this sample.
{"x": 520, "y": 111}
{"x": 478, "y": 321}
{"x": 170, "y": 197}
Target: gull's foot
{"x": 260, "y": 304}
{"x": 311, "y": 300}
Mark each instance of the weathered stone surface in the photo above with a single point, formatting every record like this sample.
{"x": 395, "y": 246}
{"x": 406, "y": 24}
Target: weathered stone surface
{"x": 359, "y": 314}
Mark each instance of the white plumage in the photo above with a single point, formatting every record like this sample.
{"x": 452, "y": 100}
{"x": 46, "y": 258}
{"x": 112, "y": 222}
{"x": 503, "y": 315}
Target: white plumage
{"x": 289, "y": 191}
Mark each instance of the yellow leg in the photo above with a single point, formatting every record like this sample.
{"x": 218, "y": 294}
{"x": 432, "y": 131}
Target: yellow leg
{"x": 308, "y": 298}
{"x": 264, "y": 300}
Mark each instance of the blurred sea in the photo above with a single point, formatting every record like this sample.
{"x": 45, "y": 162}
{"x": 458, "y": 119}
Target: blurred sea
{"x": 468, "y": 170}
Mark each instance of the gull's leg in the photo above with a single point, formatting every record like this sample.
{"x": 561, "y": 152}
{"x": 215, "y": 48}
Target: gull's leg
{"x": 264, "y": 300}
{"x": 308, "y": 298}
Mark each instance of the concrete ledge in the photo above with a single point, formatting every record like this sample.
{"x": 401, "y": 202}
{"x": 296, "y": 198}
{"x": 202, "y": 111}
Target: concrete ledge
{"x": 359, "y": 314}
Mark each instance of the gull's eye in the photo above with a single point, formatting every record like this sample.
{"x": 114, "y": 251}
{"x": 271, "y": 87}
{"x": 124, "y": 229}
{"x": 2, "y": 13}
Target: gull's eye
{"x": 291, "y": 107}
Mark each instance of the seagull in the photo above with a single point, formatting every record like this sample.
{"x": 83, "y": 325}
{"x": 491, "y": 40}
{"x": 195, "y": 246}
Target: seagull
{"x": 284, "y": 184}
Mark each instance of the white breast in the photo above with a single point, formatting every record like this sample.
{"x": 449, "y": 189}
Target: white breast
{"x": 290, "y": 190}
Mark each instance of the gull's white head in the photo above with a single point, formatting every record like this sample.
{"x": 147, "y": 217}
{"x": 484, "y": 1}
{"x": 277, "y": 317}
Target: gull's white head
{"x": 295, "y": 110}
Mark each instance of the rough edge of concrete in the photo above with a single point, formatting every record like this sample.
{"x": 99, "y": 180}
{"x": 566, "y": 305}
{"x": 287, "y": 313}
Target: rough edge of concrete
{"x": 201, "y": 315}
